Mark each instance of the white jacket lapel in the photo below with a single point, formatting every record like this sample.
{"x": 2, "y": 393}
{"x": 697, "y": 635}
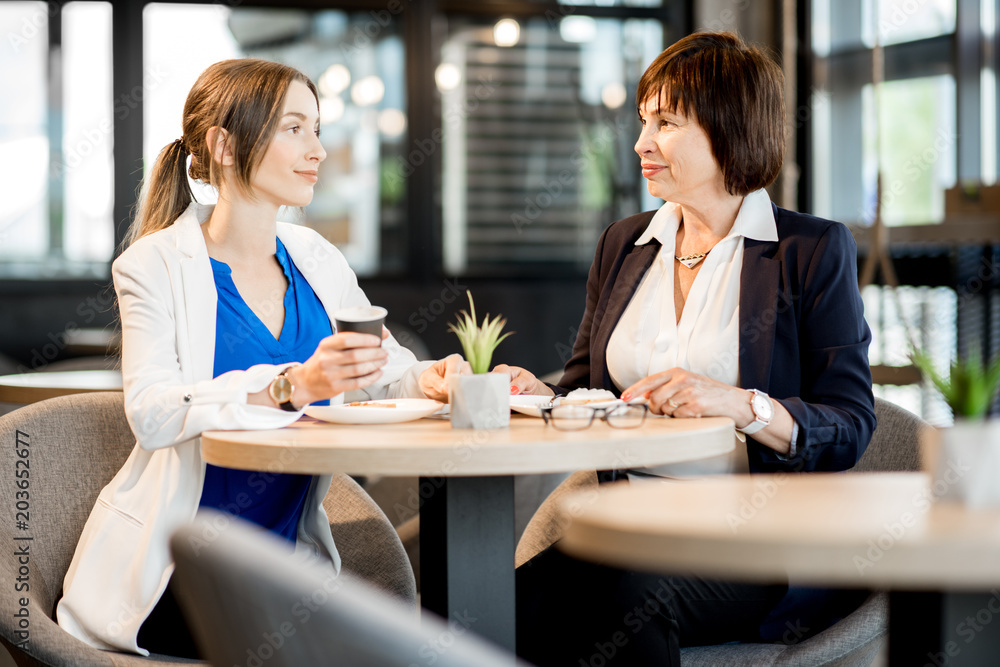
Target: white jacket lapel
{"x": 197, "y": 353}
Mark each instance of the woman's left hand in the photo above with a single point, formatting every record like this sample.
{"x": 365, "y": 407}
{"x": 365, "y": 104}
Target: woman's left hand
{"x": 681, "y": 393}
{"x": 434, "y": 381}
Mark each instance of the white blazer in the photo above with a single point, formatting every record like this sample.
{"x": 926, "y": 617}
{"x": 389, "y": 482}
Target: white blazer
{"x": 167, "y": 299}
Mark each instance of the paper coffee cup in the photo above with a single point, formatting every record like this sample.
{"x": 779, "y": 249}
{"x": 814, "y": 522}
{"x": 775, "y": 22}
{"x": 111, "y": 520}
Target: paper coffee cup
{"x": 363, "y": 319}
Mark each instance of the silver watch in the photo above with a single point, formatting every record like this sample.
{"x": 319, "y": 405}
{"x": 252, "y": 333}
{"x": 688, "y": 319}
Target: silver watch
{"x": 763, "y": 411}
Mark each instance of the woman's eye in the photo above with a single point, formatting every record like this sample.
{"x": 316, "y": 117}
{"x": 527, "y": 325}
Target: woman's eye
{"x": 294, "y": 129}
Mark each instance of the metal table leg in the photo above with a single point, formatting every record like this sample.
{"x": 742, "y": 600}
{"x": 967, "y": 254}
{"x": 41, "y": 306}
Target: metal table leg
{"x": 467, "y": 553}
{"x": 937, "y": 629}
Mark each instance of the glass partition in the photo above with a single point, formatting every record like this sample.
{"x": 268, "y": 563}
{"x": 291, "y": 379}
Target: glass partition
{"x": 538, "y": 123}
{"x": 55, "y": 141}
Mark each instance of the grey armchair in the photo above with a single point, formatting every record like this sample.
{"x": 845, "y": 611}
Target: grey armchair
{"x": 852, "y": 642}
{"x": 247, "y": 596}
{"x": 78, "y": 443}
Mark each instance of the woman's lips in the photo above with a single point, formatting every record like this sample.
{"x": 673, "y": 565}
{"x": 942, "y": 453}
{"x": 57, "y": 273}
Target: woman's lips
{"x": 311, "y": 176}
{"x": 650, "y": 170}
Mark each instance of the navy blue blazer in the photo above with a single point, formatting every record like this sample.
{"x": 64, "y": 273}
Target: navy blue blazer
{"x": 803, "y": 336}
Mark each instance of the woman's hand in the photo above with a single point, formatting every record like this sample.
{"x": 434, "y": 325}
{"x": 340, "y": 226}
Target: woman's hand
{"x": 523, "y": 381}
{"x": 434, "y": 381}
{"x": 681, "y": 393}
{"x": 342, "y": 362}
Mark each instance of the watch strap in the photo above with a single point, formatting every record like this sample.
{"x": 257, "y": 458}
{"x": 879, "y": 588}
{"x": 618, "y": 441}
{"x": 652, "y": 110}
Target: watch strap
{"x": 754, "y": 426}
{"x": 758, "y": 422}
{"x": 285, "y": 405}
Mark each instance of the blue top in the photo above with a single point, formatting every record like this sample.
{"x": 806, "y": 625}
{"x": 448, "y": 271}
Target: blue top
{"x": 272, "y": 500}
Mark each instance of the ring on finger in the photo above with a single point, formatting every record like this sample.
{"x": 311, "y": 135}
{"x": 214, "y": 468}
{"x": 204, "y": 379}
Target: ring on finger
{"x": 672, "y": 403}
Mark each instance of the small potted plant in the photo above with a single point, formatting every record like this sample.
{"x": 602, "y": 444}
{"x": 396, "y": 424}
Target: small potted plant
{"x": 480, "y": 400}
{"x": 964, "y": 459}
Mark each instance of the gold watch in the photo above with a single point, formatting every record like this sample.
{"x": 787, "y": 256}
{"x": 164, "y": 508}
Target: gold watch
{"x": 281, "y": 390}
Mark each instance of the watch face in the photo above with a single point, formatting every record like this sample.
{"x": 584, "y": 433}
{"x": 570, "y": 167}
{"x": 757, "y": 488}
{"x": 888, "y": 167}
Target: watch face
{"x": 281, "y": 389}
{"x": 762, "y": 407}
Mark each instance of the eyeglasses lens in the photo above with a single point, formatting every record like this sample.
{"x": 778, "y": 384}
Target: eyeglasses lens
{"x": 571, "y": 417}
{"x": 627, "y": 416}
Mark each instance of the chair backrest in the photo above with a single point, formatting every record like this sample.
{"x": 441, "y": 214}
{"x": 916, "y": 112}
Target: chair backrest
{"x": 550, "y": 520}
{"x": 251, "y": 602}
{"x": 73, "y": 446}
{"x": 895, "y": 444}
{"x": 370, "y": 548}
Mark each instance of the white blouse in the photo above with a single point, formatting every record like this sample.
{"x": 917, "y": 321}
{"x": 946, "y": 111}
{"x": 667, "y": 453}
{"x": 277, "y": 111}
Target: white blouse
{"x": 649, "y": 339}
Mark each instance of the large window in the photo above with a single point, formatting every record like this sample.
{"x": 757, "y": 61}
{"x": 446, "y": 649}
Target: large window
{"x": 459, "y": 141}
{"x": 538, "y": 120}
{"x": 904, "y": 130}
{"x": 55, "y": 140}
{"x": 929, "y": 124}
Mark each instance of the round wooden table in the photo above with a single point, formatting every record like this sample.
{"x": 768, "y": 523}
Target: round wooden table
{"x": 25, "y": 388}
{"x": 429, "y": 447}
{"x": 878, "y": 530}
{"x": 93, "y": 341}
{"x": 467, "y": 485}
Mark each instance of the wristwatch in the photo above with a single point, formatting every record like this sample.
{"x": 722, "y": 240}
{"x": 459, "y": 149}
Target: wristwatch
{"x": 281, "y": 390}
{"x": 763, "y": 411}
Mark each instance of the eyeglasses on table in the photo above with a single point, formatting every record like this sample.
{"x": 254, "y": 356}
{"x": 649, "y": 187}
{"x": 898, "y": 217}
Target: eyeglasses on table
{"x": 579, "y": 417}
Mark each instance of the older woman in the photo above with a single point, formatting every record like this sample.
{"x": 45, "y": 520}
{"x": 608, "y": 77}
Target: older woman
{"x": 717, "y": 304}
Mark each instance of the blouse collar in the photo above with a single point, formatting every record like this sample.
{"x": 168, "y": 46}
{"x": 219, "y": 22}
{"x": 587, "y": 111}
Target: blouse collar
{"x": 755, "y": 220}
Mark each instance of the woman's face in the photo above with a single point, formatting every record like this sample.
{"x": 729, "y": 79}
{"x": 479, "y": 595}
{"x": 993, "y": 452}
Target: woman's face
{"x": 676, "y": 156}
{"x": 289, "y": 169}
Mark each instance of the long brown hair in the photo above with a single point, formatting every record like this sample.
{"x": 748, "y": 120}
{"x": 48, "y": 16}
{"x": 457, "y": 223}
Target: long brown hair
{"x": 736, "y": 92}
{"x": 243, "y": 96}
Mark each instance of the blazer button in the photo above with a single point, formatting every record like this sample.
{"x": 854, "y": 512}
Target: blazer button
{"x": 187, "y": 398}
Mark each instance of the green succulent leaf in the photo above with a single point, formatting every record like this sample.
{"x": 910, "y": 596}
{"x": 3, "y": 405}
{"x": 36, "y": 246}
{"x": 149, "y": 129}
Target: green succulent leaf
{"x": 478, "y": 342}
{"x": 969, "y": 388}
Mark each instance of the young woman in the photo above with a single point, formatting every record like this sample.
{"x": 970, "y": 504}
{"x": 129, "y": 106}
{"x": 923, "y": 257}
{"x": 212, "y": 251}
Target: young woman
{"x": 226, "y": 324}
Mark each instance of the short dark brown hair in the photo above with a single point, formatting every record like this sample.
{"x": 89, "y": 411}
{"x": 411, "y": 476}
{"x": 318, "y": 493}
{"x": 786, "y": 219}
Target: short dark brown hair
{"x": 736, "y": 93}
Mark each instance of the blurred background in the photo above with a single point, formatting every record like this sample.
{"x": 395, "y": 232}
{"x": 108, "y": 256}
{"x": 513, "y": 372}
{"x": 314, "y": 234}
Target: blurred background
{"x": 485, "y": 145}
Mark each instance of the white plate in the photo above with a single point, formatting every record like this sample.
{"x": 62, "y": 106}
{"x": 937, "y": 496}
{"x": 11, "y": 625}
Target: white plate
{"x": 406, "y": 409}
{"x": 611, "y": 402}
{"x": 528, "y": 404}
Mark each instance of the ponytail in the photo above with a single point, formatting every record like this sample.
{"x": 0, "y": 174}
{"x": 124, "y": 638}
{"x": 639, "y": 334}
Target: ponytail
{"x": 244, "y": 96}
{"x": 165, "y": 195}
